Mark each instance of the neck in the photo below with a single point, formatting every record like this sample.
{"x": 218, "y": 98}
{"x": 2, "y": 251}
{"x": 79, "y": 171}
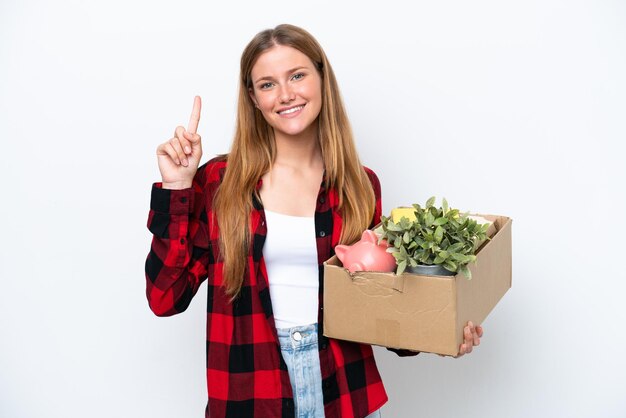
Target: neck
{"x": 302, "y": 151}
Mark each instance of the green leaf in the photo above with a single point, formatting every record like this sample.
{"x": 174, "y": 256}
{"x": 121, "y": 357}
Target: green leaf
{"x": 450, "y": 265}
{"x": 412, "y": 245}
{"x": 440, "y": 221}
{"x": 430, "y": 202}
{"x": 394, "y": 227}
{"x": 443, "y": 254}
{"x": 397, "y": 242}
{"x": 466, "y": 272}
{"x": 401, "y": 267}
{"x": 439, "y": 260}
{"x": 458, "y": 257}
{"x": 445, "y": 206}
{"x": 456, "y": 247}
{"x": 438, "y": 234}
{"x": 406, "y": 238}
{"x": 429, "y": 219}
{"x": 412, "y": 262}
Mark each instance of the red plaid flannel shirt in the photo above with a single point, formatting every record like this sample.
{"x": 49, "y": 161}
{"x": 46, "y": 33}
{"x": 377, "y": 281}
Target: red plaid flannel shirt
{"x": 246, "y": 374}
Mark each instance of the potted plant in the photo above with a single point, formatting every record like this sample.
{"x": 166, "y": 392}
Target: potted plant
{"x": 432, "y": 238}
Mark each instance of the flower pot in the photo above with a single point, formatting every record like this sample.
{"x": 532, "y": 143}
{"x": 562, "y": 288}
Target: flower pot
{"x": 430, "y": 270}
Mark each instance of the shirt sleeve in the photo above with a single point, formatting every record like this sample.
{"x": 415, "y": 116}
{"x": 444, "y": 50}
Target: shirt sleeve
{"x": 378, "y": 208}
{"x": 177, "y": 262}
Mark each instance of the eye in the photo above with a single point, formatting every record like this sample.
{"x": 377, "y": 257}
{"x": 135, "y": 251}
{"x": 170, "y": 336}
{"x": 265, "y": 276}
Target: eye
{"x": 265, "y": 86}
{"x": 297, "y": 76}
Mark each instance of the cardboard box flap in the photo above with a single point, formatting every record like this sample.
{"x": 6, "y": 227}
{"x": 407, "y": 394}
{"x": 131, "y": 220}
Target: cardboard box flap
{"x": 492, "y": 274}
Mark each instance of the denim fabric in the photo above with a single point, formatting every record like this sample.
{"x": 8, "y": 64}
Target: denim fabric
{"x": 299, "y": 349}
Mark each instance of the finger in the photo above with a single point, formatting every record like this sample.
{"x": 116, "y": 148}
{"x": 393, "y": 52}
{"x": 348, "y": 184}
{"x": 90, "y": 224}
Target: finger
{"x": 467, "y": 335}
{"x": 469, "y": 340}
{"x": 171, "y": 152}
{"x": 479, "y": 330}
{"x": 461, "y": 351}
{"x": 161, "y": 149}
{"x": 195, "y": 115}
{"x": 185, "y": 143}
{"x": 475, "y": 337}
{"x": 180, "y": 134}
{"x": 190, "y": 141}
{"x": 182, "y": 157}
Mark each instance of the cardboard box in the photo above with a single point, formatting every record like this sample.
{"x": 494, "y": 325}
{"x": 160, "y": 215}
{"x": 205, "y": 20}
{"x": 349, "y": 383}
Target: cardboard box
{"x": 415, "y": 312}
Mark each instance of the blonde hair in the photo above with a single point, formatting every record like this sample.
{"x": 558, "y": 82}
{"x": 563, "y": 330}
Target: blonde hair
{"x": 253, "y": 151}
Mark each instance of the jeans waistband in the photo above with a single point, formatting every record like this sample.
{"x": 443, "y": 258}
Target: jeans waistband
{"x": 298, "y": 337}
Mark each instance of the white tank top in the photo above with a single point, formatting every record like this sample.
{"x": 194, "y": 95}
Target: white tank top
{"x": 290, "y": 254}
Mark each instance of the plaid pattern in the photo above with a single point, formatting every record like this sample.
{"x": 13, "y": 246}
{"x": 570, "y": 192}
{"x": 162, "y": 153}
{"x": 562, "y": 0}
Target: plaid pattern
{"x": 246, "y": 374}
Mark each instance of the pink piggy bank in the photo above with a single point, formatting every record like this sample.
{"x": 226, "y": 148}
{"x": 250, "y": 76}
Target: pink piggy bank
{"x": 366, "y": 254}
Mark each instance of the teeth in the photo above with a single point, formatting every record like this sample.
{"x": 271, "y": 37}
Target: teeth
{"x": 293, "y": 109}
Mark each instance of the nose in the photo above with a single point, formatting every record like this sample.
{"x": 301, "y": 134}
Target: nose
{"x": 286, "y": 94}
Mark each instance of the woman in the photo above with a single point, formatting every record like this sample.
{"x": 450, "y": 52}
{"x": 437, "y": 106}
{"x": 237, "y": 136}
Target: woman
{"x": 258, "y": 223}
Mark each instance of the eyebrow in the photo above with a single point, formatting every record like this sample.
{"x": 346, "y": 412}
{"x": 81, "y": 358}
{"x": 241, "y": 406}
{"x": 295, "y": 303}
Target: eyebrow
{"x": 267, "y": 77}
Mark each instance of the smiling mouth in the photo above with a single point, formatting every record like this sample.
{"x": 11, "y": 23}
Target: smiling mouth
{"x": 291, "y": 110}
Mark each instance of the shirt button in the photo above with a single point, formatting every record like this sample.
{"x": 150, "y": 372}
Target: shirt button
{"x": 183, "y": 200}
{"x": 296, "y": 336}
{"x": 322, "y": 233}
{"x": 182, "y": 240}
{"x": 322, "y": 200}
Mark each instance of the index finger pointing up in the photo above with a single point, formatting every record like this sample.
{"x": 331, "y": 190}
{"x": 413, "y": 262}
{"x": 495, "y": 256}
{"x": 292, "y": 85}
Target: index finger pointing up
{"x": 195, "y": 115}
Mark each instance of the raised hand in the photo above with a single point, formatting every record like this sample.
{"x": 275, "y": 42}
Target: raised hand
{"x": 179, "y": 157}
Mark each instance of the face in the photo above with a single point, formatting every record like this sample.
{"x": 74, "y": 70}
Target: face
{"x": 287, "y": 89}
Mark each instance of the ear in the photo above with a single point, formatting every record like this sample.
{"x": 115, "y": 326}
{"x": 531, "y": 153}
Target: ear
{"x": 369, "y": 236}
{"x": 341, "y": 250}
{"x": 252, "y": 96}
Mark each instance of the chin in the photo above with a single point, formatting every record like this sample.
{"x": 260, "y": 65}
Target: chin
{"x": 292, "y": 130}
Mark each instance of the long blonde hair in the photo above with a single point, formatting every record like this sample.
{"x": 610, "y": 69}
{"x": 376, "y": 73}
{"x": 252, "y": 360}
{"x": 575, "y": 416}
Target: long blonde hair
{"x": 253, "y": 151}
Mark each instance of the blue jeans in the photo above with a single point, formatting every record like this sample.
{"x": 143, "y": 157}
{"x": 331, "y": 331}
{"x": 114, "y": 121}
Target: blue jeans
{"x": 298, "y": 346}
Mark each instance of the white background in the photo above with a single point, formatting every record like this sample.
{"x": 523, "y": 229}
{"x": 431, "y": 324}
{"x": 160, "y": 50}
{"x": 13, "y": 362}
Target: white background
{"x": 511, "y": 108}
